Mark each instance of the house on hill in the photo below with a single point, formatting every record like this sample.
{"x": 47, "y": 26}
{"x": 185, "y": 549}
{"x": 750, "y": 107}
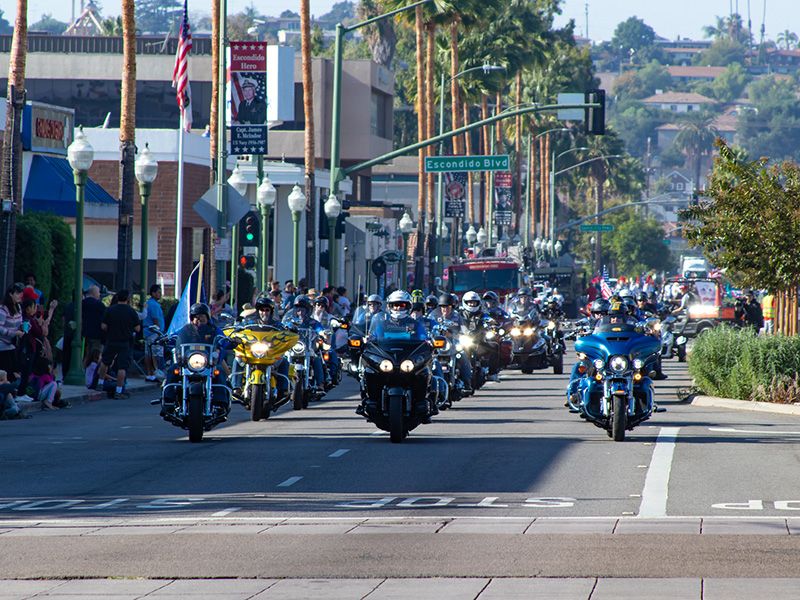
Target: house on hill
{"x": 679, "y": 102}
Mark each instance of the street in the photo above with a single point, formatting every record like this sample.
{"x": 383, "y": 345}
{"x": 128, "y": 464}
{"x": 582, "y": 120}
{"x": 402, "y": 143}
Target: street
{"x": 508, "y": 483}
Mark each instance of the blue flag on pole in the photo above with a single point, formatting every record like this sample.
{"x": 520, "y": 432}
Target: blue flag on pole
{"x": 194, "y": 291}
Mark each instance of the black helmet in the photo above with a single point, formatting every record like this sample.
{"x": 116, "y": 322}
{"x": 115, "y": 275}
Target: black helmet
{"x": 302, "y": 302}
{"x": 431, "y": 301}
{"x": 642, "y": 297}
{"x": 322, "y": 301}
{"x": 446, "y": 300}
{"x": 264, "y": 302}
{"x": 198, "y": 309}
{"x": 630, "y": 304}
{"x": 417, "y": 307}
{"x": 491, "y": 297}
{"x": 600, "y": 306}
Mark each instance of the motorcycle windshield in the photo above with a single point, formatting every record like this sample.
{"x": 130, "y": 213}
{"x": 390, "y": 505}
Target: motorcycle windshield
{"x": 522, "y": 307}
{"x": 604, "y": 344}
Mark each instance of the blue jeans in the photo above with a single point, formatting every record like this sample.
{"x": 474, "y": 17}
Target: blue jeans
{"x": 465, "y": 370}
{"x": 333, "y": 363}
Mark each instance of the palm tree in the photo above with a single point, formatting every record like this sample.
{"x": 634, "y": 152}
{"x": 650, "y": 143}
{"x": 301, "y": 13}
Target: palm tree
{"x": 718, "y": 30}
{"x": 10, "y": 188}
{"x": 696, "y": 140}
{"x": 127, "y": 147}
{"x": 381, "y": 37}
{"x": 308, "y": 147}
{"x": 788, "y": 39}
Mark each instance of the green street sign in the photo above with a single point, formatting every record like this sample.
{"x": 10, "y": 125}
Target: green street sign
{"x": 596, "y": 227}
{"x": 442, "y": 164}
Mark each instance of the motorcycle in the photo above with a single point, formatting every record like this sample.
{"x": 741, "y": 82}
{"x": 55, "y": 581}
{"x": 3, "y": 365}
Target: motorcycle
{"x": 447, "y": 355}
{"x": 196, "y": 364}
{"x": 307, "y": 389}
{"x": 259, "y": 348}
{"x": 672, "y": 343}
{"x": 396, "y": 377}
{"x": 529, "y": 350}
{"x": 616, "y": 391}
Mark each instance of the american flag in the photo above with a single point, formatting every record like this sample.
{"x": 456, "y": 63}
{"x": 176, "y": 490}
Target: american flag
{"x": 180, "y": 74}
{"x": 605, "y": 289}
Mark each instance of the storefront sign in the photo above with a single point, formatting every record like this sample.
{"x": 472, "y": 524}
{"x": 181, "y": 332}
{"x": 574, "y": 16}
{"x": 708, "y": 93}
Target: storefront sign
{"x": 47, "y": 128}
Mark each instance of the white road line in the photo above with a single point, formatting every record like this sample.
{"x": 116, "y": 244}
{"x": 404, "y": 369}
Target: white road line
{"x": 225, "y": 512}
{"x": 290, "y": 481}
{"x": 339, "y": 453}
{"x": 656, "y": 483}
{"x": 379, "y": 432}
{"x": 758, "y": 431}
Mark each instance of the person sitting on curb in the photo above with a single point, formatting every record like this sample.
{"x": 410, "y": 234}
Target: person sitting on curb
{"x": 9, "y": 409}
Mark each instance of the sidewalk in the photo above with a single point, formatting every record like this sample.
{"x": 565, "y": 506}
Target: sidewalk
{"x": 476, "y": 588}
{"x": 730, "y": 404}
{"x": 78, "y": 394}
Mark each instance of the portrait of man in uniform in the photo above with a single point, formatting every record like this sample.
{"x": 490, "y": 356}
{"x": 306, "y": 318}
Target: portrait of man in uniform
{"x": 252, "y": 110}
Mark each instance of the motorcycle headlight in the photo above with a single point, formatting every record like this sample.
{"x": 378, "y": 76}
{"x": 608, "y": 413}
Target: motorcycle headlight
{"x": 197, "y": 361}
{"x": 502, "y": 332}
{"x": 638, "y": 363}
{"x": 447, "y": 347}
{"x": 387, "y": 367}
{"x": 406, "y": 366}
{"x": 299, "y": 348}
{"x": 490, "y": 335}
{"x": 465, "y": 341}
{"x": 619, "y": 363}
{"x": 529, "y": 331}
{"x": 516, "y": 332}
{"x": 551, "y": 325}
{"x": 598, "y": 364}
{"x": 657, "y": 327}
{"x": 260, "y": 349}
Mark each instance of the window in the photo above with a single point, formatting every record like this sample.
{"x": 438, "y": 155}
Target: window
{"x": 379, "y": 116}
{"x": 690, "y": 108}
{"x": 679, "y": 186}
{"x": 673, "y": 107}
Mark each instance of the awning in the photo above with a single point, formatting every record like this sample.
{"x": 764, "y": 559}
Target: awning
{"x": 51, "y": 189}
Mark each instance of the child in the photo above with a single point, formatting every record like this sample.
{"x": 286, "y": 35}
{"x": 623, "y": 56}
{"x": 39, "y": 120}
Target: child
{"x": 45, "y": 387}
{"x": 9, "y": 409}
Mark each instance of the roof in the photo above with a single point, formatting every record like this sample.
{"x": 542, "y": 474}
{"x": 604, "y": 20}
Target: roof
{"x": 679, "y": 98}
{"x": 683, "y": 50}
{"x": 696, "y": 72}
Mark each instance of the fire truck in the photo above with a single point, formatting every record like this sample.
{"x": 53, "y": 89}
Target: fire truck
{"x": 500, "y": 275}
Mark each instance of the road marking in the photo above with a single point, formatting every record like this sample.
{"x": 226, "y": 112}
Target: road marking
{"x": 290, "y": 481}
{"x": 339, "y": 453}
{"x": 226, "y": 512}
{"x": 379, "y": 432}
{"x": 656, "y": 483}
{"x": 732, "y": 430}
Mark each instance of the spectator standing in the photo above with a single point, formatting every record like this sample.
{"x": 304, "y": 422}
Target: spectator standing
{"x": 288, "y": 294}
{"x": 153, "y": 315}
{"x": 30, "y": 281}
{"x": 753, "y": 316}
{"x": 344, "y": 301}
{"x": 768, "y": 311}
{"x": 11, "y": 328}
{"x": 120, "y": 323}
{"x": 92, "y": 311}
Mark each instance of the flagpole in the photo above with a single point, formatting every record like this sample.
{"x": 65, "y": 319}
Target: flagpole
{"x": 179, "y": 207}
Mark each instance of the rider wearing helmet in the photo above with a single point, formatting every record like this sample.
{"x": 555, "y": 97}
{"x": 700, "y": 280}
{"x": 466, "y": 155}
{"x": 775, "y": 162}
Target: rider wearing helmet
{"x": 264, "y": 312}
{"x": 264, "y": 315}
{"x": 364, "y": 314}
{"x": 398, "y": 316}
{"x": 431, "y": 303}
{"x": 321, "y": 313}
{"x": 299, "y": 318}
{"x": 449, "y": 320}
{"x": 492, "y": 303}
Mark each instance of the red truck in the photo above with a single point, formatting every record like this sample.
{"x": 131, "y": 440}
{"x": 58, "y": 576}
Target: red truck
{"x": 500, "y": 275}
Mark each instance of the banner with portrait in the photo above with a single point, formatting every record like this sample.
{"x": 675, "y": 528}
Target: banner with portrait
{"x": 455, "y": 193}
{"x": 248, "y": 97}
{"x": 503, "y": 198}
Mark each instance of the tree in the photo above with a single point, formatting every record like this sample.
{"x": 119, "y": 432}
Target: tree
{"x": 127, "y": 147}
{"x": 112, "y": 27}
{"x": 643, "y": 82}
{"x": 380, "y": 37}
{"x": 730, "y": 85}
{"x": 750, "y": 223}
{"x": 5, "y": 26}
{"x": 772, "y": 126}
{"x": 340, "y": 12}
{"x": 718, "y": 30}
{"x": 288, "y": 14}
{"x": 157, "y": 16}
{"x": 10, "y": 188}
{"x": 637, "y": 244}
{"x": 633, "y": 39}
{"x": 49, "y": 24}
{"x": 635, "y": 123}
{"x": 722, "y": 53}
{"x": 696, "y": 140}
{"x": 787, "y": 38}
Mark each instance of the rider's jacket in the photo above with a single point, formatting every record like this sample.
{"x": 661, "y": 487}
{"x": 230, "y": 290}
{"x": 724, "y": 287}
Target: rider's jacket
{"x": 385, "y": 326}
{"x": 192, "y": 334}
{"x": 474, "y": 321}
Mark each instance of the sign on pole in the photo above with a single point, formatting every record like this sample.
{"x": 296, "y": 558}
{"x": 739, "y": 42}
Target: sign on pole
{"x": 206, "y": 207}
{"x": 571, "y": 114}
{"x": 455, "y": 192}
{"x": 248, "y": 97}
{"x": 596, "y": 227}
{"x": 503, "y": 200}
{"x": 443, "y": 164}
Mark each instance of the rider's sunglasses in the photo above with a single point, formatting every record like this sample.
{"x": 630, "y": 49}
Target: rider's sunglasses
{"x": 473, "y": 303}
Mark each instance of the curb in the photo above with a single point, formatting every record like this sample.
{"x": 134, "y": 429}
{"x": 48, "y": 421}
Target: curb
{"x": 714, "y": 402}
{"x": 87, "y": 396}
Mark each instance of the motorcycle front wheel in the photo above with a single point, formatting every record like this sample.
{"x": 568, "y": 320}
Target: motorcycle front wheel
{"x": 258, "y": 410}
{"x": 196, "y": 419}
{"x": 558, "y": 365}
{"x": 298, "y": 395}
{"x": 619, "y": 418}
{"x": 396, "y": 433}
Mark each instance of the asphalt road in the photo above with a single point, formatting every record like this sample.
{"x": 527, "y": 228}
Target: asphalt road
{"x": 522, "y": 487}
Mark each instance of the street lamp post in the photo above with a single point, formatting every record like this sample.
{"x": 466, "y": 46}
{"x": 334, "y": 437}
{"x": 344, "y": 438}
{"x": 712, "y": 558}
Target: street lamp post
{"x": 406, "y": 226}
{"x": 297, "y": 204}
{"x": 239, "y": 183}
{"x": 333, "y": 208}
{"x": 266, "y": 194}
{"x": 146, "y": 169}
{"x": 471, "y": 236}
{"x": 80, "y": 155}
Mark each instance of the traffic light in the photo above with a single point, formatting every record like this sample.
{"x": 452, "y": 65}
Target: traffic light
{"x": 251, "y": 229}
{"x": 247, "y": 261}
{"x": 324, "y": 259}
{"x": 595, "y": 121}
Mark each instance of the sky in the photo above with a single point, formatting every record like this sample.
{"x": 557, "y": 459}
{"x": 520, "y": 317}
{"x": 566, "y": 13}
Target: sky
{"x": 670, "y": 18}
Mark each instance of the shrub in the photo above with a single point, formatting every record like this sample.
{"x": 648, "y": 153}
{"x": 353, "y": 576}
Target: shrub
{"x": 736, "y": 363}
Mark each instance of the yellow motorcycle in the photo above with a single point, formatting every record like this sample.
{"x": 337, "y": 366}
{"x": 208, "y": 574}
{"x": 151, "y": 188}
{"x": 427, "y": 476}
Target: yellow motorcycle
{"x": 254, "y": 374}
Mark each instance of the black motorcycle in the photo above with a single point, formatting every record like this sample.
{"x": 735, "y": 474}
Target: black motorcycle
{"x": 396, "y": 376}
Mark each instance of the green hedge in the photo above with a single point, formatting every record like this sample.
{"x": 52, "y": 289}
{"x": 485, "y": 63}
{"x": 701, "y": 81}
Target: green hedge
{"x": 737, "y": 363}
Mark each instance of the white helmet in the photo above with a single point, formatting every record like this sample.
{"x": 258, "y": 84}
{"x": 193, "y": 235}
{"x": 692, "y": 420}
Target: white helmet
{"x": 399, "y": 304}
{"x": 471, "y": 302}
{"x": 626, "y": 293}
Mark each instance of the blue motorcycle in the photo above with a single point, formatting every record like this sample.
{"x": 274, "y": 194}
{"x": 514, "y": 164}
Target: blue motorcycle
{"x": 616, "y": 392}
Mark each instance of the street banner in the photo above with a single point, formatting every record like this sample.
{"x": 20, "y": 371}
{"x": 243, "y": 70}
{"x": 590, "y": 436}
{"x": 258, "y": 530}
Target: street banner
{"x": 455, "y": 193}
{"x": 503, "y": 198}
{"x": 248, "y": 101}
